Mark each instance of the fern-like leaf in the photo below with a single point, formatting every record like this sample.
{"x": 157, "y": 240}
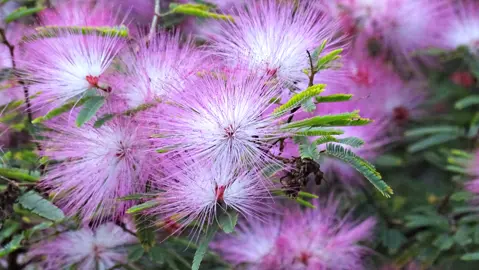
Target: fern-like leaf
{"x": 325, "y": 120}
{"x": 299, "y": 98}
{"x": 319, "y": 132}
{"x": 361, "y": 165}
{"x": 309, "y": 150}
{"x": 334, "y": 98}
{"x": 467, "y": 102}
{"x": 352, "y": 141}
{"x": 325, "y": 139}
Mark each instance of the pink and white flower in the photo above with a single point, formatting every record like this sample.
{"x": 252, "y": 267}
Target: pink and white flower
{"x": 274, "y": 37}
{"x": 311, "y": 239}
{"x": 85, "y": 249}
{"x": 401, "y": 26}
{"x": 463, "y": 29}
{"x": 200, "y": 192}
{"x": 96, "y": 166}
{"x": 156, "y": 68}
{"x": 65, "y": 67}
{"x": 222, "y": 118}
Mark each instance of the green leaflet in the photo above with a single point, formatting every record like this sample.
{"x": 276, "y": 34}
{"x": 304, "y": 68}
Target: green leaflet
{"x": 443, "y": 242}
{"x": 55, "y": 31}
{"x": 433, "y": 130}
{"x": 334, "y": 98}
{"x": 318, "y": 132}
{"x": 392, "y": 238}
{"x": 11, "y": 106}
{"x": 432, "y": 141}
{"x": 40, "y": 206}
{"x": 351, "y": 122}
{"x": 325, "y": 139}
{"x": 361, "y": 165}
{"x": 227, "y": 221}
{"x": 103, "y": 119}
{"x": 20, "y": 13}
{"x": 429, "y": 220}
{"x": 13, "y": 245}
{"x": 135, "y": 253}
{"x": 319, "y": 50}
{"x": 474, "y": 126}
{"x": 305, "y": 203}
{"x": 197, "y": 10}
{"x": 323, "y": 62}
{"x": 325, "y": 120}
{"x": 60, "y": 110}
{"x": 389, "y": 161}
{"x": 39, "y": 227}
{"x": 138, "y": 196}
{"x": 467, "y": 102}
{"x": 9, "y": 228}
{"x": 203, "y": 246}
{"x": 91, "y": 106}
{"x": 308, "y": 106}
{"x": 141, "y": 207}
{"x": 473, "y": 256}
{"x": 145, "y": 231}
{"x": 307, "y": 195}
{"x": 299, "y": 98}
{"x": 352, "y": 141}
{"x": 107, "y": 117}
{"x": 430, "y": 52}
{"x": 18, "y": 174}
{"x": 309, "y": 150}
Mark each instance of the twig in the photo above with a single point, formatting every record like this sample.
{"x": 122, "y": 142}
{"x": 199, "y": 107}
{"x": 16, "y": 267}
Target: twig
{"x": 311, "y": 66}
{"x": 26, "y": 93}
{"x": 290, "y": 118}
{"x": 12, "y": 259}
{"x": 154, "y": 22}
{"x": 124, "y": 228}
{"x": 444, "y": 203}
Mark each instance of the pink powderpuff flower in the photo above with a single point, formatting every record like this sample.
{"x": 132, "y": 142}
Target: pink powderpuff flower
{"x": 85, "y": 249}
{"x": 274, "y": 37}
{"x": 371, "y": 80}
{"x": 198, "y": 192}
{"x": 96, "y": 166}
{"x": 310, "y": 239}
{"x": 473, "y": 170}
{"x": 79, "y": 13}
{"x": 402, "y": 26}
{"x": 67, "y": 66}
{"x": 161, "y": 65}
{"x": 254, "y": 243}
{"x": 463, "y": 28}
{"x": 408, "y": 25}
{"x": 222, "y": 118}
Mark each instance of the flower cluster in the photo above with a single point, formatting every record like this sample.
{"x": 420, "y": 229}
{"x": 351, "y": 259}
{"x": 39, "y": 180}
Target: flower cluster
{"x": 311, "y": 239}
